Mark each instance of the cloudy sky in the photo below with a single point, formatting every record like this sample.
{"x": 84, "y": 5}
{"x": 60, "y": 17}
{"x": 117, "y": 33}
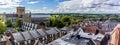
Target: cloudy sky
{"x": 62, "y": 6}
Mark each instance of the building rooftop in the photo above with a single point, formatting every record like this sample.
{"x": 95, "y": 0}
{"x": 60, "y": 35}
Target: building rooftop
{"x": 52, "y": 31}
{"x": 27, "y": 35}
{"x": 42, "y": 32}
{"x": 66, "y": 29}
{"x": 110, "y": 25}
{"x": 67, "y": 40}
{"x": 11, "y": 15}
{"x": 18, "y": 37}
{"x": 34, "y": 34}
{"x": 72, "y": 39}
{"x": 40, "y": 16}
{"x": 10, "y": 30}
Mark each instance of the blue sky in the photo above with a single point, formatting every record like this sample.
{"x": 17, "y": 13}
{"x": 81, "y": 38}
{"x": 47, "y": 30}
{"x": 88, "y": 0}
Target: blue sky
{"x": 62, "y": 6}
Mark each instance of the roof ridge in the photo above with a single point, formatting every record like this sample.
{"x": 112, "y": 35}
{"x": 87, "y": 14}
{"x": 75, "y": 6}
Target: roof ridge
{"x": 116, "y": 27}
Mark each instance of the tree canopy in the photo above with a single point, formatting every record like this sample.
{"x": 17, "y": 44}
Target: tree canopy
{"x": 18, "y": 23}
{"x": 8, "y": 23}
{"x": 62, "y": 20}
{"x": 66, "y": 20}
{"x": 1, "y": 18}
{"x": 55, "y": 21}
{"x": 2, "y": 27}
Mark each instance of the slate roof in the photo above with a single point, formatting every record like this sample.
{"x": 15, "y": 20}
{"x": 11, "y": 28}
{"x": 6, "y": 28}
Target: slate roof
{"x": 40, "y": 16}
{"x": 27, "y": 35}
{"x": 98, "y": 37}
{"x": 81, "y": 41}
{"x": 41, "y": 32}
{"x": 110, "y": 25}
{"x": 67, "y": 40}
{"x": 57, "y": 29}
{"x": 34, "y": 34}
{"x": 18, "y": 37}
{"x": 11, "y": 15}
{"x": 51, "y": 31}
{"x": 65, "y": 29}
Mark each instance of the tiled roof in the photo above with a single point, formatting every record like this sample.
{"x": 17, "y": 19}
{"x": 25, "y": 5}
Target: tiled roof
{"x": 90, "y": 29}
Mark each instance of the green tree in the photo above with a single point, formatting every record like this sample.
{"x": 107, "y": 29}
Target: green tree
{"x": 52, "y": 21}
{"x": 18, "y": 23}
{"x": 94, "y": 19}
{"x": 66, "y": 20}
{"x": 1, "y": 18}
{"x": 118, "y": 19}
{"x": 2, "y": 27}
{"x": 58, "y": 23}
{"x": 8, "y": 23}
{"x": 55, "y": 21}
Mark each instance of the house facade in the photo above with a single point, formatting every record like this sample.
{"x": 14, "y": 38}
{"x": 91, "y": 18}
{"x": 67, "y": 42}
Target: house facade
{"x": 115, "y": 36}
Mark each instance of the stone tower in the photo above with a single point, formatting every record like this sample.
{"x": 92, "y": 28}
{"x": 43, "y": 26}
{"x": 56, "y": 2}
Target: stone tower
{"x": 20, "y": 11}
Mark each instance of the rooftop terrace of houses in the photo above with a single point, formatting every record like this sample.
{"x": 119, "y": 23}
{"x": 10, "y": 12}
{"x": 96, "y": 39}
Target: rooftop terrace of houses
{"x": 84, "y": 39}
{"x": 30, "y": 35}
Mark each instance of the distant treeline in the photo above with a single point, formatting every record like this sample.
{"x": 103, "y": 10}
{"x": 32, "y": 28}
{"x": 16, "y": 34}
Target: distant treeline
{"x": 68, "y": 19}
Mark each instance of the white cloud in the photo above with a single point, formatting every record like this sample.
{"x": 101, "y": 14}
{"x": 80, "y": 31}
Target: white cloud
{"x": 9, "y": 3}
{"x": 89, "y": 6}
{"x": 40, "y": 10}
{"x": 33, "y": 2}
{"x": 8, "y": 11}
{"x": 44, "y": 8}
